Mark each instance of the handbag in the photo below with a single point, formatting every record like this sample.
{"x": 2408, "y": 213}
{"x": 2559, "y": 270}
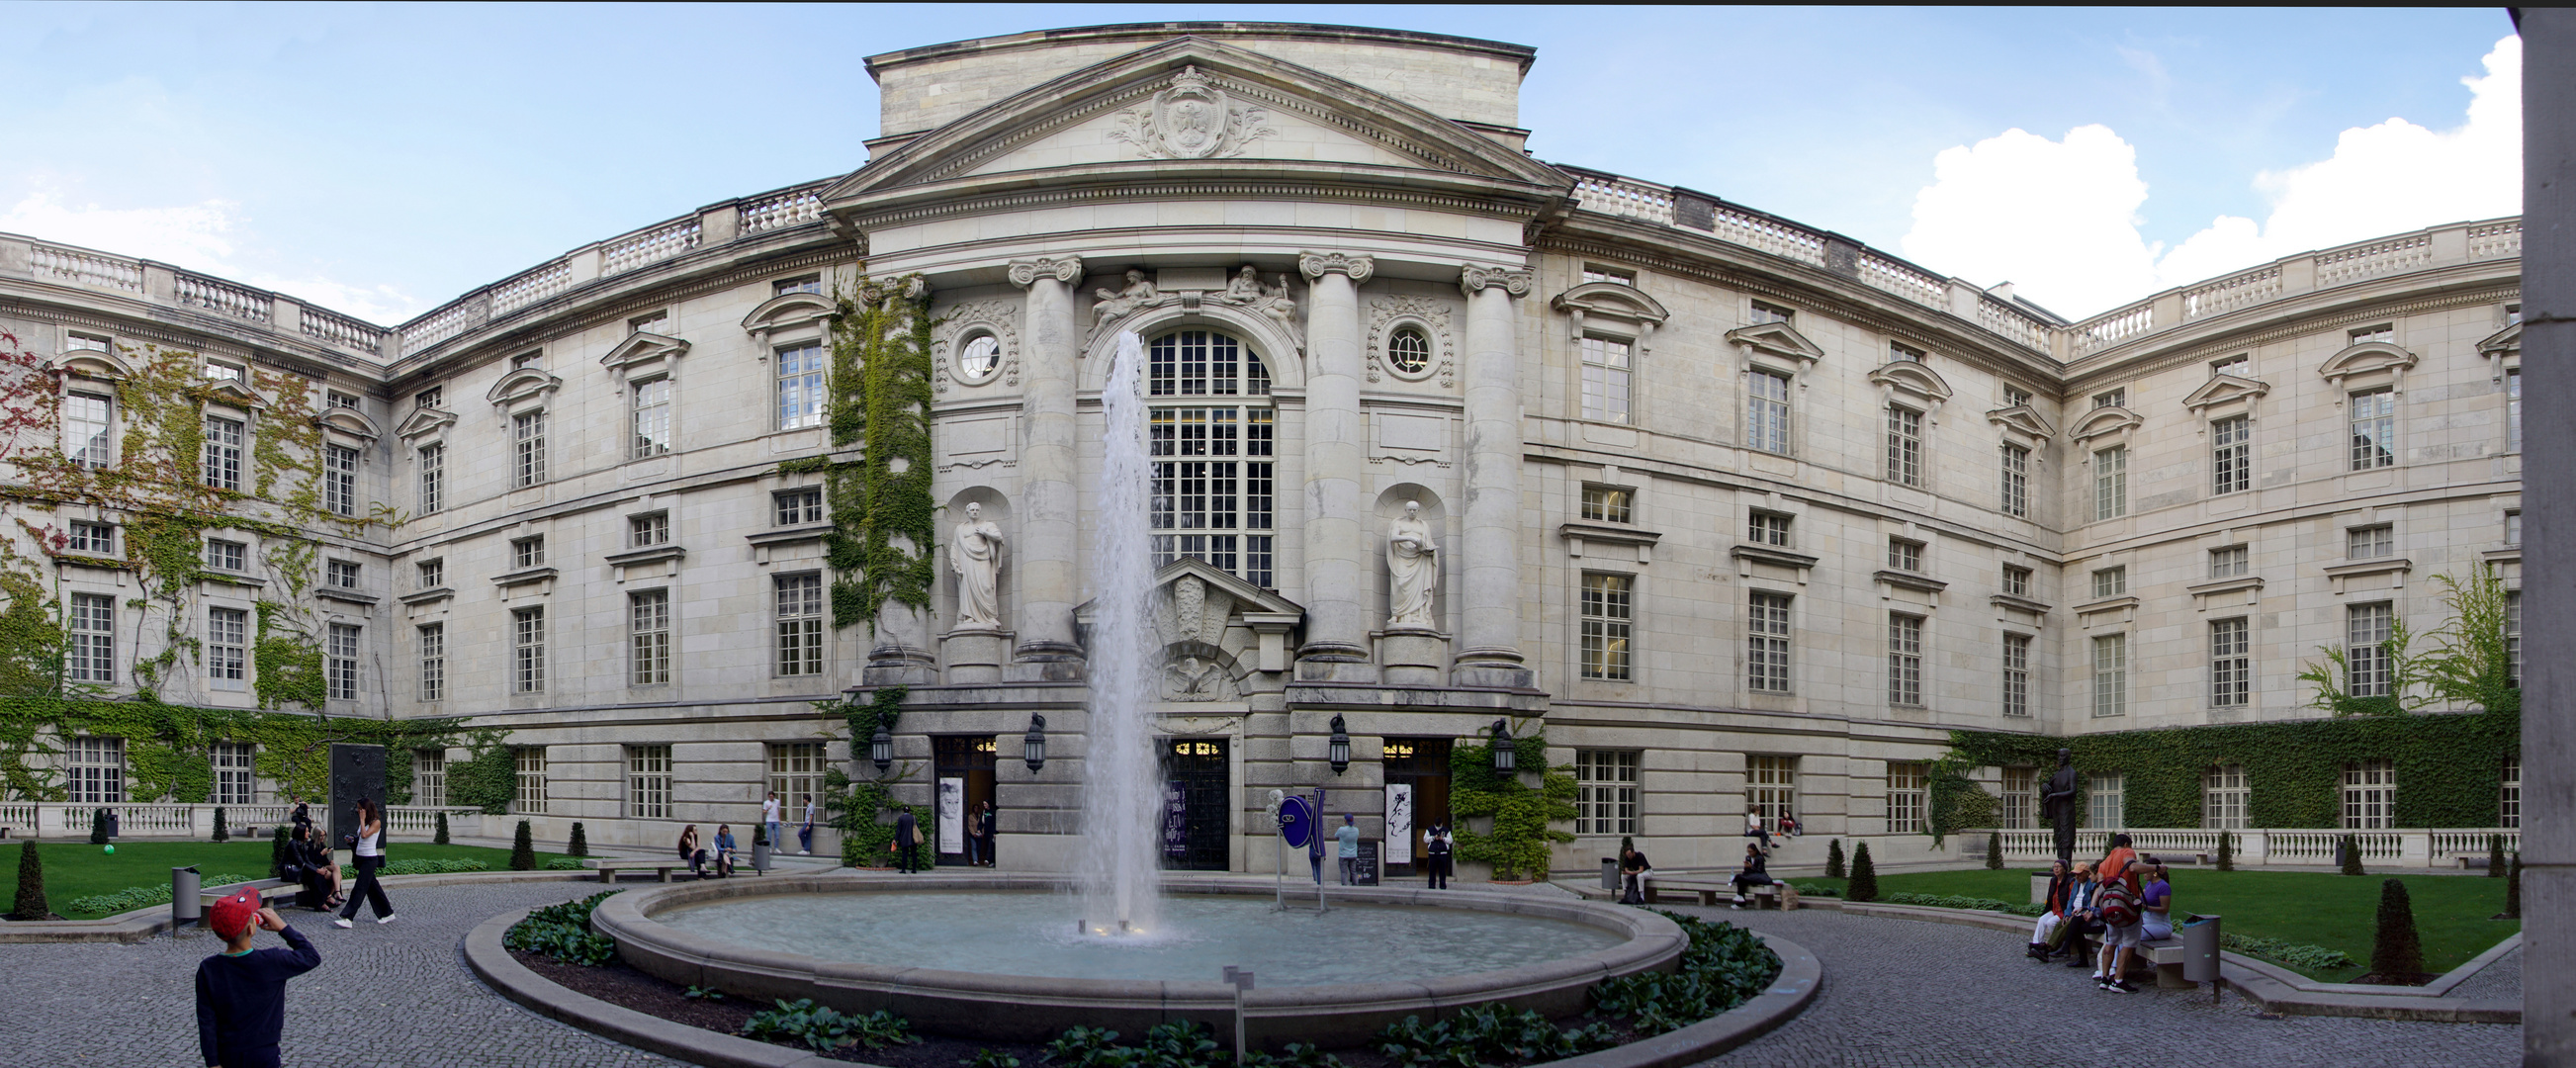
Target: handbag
{"x": 2057, "y": 934}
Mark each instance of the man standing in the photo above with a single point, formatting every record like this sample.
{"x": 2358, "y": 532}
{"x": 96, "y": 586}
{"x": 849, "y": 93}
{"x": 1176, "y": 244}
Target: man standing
{"x": 907, "y": 841}
{"x": 1440, "y": 851}
{"x": 769, "y": 818}
{"x": 805, "y": 833}
{"x": 2058, "y": 802}
{"x": 1349, "y": 837}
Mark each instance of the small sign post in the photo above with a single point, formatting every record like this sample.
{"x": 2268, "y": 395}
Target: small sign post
{"x": 1241, "y": 978}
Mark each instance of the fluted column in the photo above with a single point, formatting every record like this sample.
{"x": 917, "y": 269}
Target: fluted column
{"x": 1489, "y": 626}
{"x": 1043, "y": 561}
{"x": 1336, "y": 647}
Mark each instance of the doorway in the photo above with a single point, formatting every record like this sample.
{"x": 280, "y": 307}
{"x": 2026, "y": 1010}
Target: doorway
{"x": 1417, "y": 792}
{"x": 963, "y": 766}
{"x": 1198, "y": 785}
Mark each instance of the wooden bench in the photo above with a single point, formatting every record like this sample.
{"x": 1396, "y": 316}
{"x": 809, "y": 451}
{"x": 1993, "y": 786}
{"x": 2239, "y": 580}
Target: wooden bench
{"x": 1764, "y": 897}
{"x": 608, "y": 869}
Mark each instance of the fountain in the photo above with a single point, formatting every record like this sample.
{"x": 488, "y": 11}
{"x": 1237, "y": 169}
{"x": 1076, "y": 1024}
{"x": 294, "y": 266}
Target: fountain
{"x": 1120, "y": 867}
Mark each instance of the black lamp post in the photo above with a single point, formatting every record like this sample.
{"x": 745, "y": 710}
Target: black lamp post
{"x": 881, "y": 748}
{"x": 1338, "y": 751}
{"x": 1033, "y": 747}
{"x": 1504, "y": 758}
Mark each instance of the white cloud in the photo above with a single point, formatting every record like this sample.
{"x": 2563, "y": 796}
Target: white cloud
{"x": 199, "y": 237}
{"x": 2059, "y": 218}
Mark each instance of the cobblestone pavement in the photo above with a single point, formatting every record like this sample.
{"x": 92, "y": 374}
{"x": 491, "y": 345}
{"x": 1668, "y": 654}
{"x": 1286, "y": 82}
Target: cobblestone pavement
{"x": 1903, "y": 993}
{"x": 2499, "y": 980}
{"x": 392, "y": 996}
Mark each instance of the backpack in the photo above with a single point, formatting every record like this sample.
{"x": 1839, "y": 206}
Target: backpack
{"x": 2118, "y": 905}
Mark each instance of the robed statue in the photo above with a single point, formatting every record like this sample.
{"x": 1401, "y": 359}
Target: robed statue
{"x": 976, "y": 557}
{"x": 1411, "y": 570}
{"x": 2060, "y": 802}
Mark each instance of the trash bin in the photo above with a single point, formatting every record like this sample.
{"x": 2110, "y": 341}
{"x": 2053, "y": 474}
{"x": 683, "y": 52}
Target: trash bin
{"x": 1610, "y": 874}
{"x": 2200, "y": 949}
{"x": 112, "y": 820}
{"x": 184, "y": 909}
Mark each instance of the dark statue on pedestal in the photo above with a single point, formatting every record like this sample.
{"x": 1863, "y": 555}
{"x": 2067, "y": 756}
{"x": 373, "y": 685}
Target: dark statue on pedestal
{"x": 2059, "y": 804}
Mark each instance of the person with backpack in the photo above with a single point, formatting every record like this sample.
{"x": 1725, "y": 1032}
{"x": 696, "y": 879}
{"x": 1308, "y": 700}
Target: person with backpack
{"x": 2123, "y": 927}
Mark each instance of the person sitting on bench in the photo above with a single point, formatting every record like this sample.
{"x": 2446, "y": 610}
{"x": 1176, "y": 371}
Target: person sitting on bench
{"x": 2155, "y": 903}
{"x": 1633, "y": 873}
{"x": 1756, "y": 872}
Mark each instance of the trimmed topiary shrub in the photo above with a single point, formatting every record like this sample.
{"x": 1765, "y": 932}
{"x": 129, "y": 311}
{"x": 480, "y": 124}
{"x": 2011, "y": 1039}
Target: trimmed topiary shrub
{"x": 523, "y": 849}
{"x": 2350, "y": 847}
{"x": 1834, "y": 859}
{"x": 31, "y": 885}
{"x": 2495, "y": 856}
{"x": 580, "y": 845}
{"x": 221, "y": 834}
{"x": 2226, "y": 851}
{"x": 277, "y": 853}
{"x": 1864, "y": 876}
{"x": 2398, "y": 951}
{"x": 1994, "y": 851}
{"x": 2513, "y": 890}
{"x": 441, "y": 838}
{"x": 98, "y": 826}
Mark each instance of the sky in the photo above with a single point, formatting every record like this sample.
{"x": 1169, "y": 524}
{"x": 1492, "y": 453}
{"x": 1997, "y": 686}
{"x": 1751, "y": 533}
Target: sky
{"x": 380, "y": 159}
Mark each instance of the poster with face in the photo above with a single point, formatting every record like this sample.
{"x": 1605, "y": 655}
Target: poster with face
{"x": 1399, "y": 822}
{"x": 952, "y": 815}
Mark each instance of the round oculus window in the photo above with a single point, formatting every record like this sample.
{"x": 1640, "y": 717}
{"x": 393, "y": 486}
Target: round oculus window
{"x": 1409, "y": 351}
{"x": 977, "y": 360}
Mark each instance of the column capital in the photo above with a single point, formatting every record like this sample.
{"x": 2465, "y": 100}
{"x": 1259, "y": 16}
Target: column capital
{"x": 1065, "y": 269}
{"x": 1358, "y": 265}
{"x": 1473, "y": 278}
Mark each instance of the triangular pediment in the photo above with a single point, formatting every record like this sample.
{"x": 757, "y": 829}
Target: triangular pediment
{"x": 2508, "y": 339}
{"x": 227, "y": 391}
{"x": 1778, "y": 339}
{"x": 786, "y": 310}
{"x": 643, "y": 346}
{"x": 348, "y": 421}
{"x": 423, "y": 422}
{"x": 2225, "y": 389}
{"x": 2103, "y": 422}
{"x": 1914, "y": 378}
{"x": 1246, "y": 597}
{"x": 2023, "y": 420}
{"x": 2365, "y": 358}
{"x": 520, "y": 384}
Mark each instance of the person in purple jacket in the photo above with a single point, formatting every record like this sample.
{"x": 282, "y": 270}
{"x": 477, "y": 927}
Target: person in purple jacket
{"x": 241, "y": 992}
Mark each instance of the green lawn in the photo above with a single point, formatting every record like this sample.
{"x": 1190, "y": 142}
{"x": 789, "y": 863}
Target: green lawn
{"x": 2318, "y": 909}
{"x": 79, "y": 869}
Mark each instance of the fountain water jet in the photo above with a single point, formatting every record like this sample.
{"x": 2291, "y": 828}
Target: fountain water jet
{"x": 1121, "y": 861}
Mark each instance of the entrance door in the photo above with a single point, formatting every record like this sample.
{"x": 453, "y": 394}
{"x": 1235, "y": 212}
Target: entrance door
{"x": 964, "y": 765}
{"x": 1417, "y": 777}
{"x": 1198, "y": 787}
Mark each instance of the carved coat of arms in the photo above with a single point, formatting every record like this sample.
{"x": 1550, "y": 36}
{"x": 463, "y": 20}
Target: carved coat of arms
{"x": 1192, "y": 119}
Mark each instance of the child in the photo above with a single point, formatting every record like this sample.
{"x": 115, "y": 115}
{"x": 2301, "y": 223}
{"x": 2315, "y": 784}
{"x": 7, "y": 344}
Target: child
{"x": 241, "y": 992}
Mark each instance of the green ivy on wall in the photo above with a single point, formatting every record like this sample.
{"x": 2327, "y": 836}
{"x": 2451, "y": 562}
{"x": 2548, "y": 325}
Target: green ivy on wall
{"x": 851, "y": 806}
{"x": 488, "y": 777}
{"x": 168, "y": 747}
{"x": 1517, "y": 843}
{"x": 877, "y": 397}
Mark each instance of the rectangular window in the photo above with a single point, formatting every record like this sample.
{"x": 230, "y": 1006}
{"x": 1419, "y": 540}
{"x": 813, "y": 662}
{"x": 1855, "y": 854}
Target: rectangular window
{"x": 2365, "y": 649}
{"x": 2016, "y": 397}
{"x": 648, "y": 627}
{"x": 1904, "y": 659}
{"x": 97, "y": 538}
{"x": 2509, "y": 798}
{"x": 2384, "y": 333}
{"x": 2016, "y": 581}
{"x": 433, "y": 478}
{"x": 2016, "y": 480}
{"x": 1906, "y": 786}
{"x": 2106, "y": 800}
{"x": 1767, "y": 413}
{"x": 433, "y": 661}
{"x": 1770, "y": 787}
{"x": 92, "y": 657}
{"x": 1767, "y": 644}
{"x": 530, "y": 442}
{"x": 656, "y": 322}
{"x": 1608, "y": 504}
{"x": 224, "y": 372}
{"x": 528, "y": 638}
{"x": 795, "y": 774}
{"x": 1605, "y": 379}
{"x": 648, "y": 782}
{"x": 223, "y": 451}
{"x": 234, "y": 782}
{"x": 2110, "y": 582}
{"x": 1605, "y": 789}
{"x": 528, "y": 797}
{"x": 2513, "y": 527}
{"x": 2111, "y": 675}
{"x": 2021, "y": 799}
{"x": 433, "y": 574}
{"x": 2017, "y": 675}
{"x": 800, "y": 624}
{"x": 2513, "y": 638}
{"x": 429, "y": 778}
{"x": 1768, "y": 528}
{"x": 648, "y": 530}
{"x": 1606, "y": 274}
{"x": 224, "y": 555}
{"x": 1606, "y": 602}
{"x": 86, "y": 429}
{"x": 2111, "y": 483}
{"x": 1213, "y": 473}
{"x": 532, "y": 358}
{"x": 429, "y": 398}
{"x": 342, "y": 664}
{"x": 2229, "y": 562}
{"x": 799, "y": 507}
{"x": 227, "y": 647}
{"x": 527, "y": 552}
{"x": 340, "y": 574}
{"x": 339, "y": 480}
{"x": 340, "y": 400}
{"x": 2374, "y": 429}
{"x": 1900, "y": 352}
{"x": 812, "y": 283}
{"x": 2231, "y": 663}
{"x": 1904, "y": 446}
{"x": 2369, "y": 795}
{"x": 1904, "y": 555}
{"x": 2231, "y": 455}
{"x": 2117, "y": 398}
{"x": 652, "y": 418}
{"x": 2513, "y": 408}
{"x": 2369, "y": 543}
{"x": 97, "y": 771}
{"x": 800, "y": 386}
{"x": 2240, "y": 365}
{"x": 2222, "y": 798}
{"x": 1771, "y": 313}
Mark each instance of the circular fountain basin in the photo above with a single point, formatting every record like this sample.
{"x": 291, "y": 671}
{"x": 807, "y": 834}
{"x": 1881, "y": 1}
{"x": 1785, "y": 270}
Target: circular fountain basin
{"x": 996, "y": 956}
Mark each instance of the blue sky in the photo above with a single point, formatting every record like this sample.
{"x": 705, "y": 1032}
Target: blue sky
{"x": 383, "y": 158}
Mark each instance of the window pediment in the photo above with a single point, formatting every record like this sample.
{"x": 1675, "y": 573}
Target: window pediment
{"x": 235, "y": 394}
{"x": 2365, "y": 358}
{"x": 1592, "y": 302}
{"x": 1907, "y": 376}
{"x": 786, "y": 311}
{"x": 2225, "y": 389}
{"x": 522, "y": 384}
{"x": 91, "y": 363}
{"x": 348, "y": 421}
{"x": 643, "y": 346}
{"x": 1777, "y": 339}
{"x": 424, "y": 422}
{"x": 2111, "y": 421}
{"x": 2508, "y": 339}
{"x": 2023, "y": 421}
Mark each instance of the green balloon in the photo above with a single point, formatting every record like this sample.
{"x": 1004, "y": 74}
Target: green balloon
{"x": 111, "y": 849}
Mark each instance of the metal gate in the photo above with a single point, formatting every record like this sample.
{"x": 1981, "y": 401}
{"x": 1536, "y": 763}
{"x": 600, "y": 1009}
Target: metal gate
{"x": 1198, "y": 786}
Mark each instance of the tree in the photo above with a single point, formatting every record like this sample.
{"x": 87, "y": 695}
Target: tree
{"x": 221, "y": 834}
{"x": 98, "y": 826}
{"x": 2397, "y": 952}
{"x": 1864, "y": 877}
{"x": 441, "y": 839}
{"x": 2495, "y": 856}
{"x": 2472, "y": 660}
{"x": 523, "y": 850}
{"x": 2406, "y": 672}
{"x": 2350, "y": 847}
{"x": 2226, "y": 851}
{"x": 580, "y": 846}
{"x": 1994, "y": 851}
{"x": 2513, "y": 889}
{"x": 31, "y": 885}
{"x": 1834, "y": 859}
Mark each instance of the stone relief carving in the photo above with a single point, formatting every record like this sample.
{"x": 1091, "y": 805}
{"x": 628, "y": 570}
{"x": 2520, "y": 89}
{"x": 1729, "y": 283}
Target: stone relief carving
{"x": 1138, "y": 292}
{"x": 997, "y": 319}
{"x": 1189, "y": 600}
{"x": 1244, "y": 290}
{"x": 1429, "y": 314}
{"x": 1192, "y": 119}
{"x": 1189, "y": 678}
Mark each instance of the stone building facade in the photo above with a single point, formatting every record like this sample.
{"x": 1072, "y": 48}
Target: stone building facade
{"x": 1741, "y": 513}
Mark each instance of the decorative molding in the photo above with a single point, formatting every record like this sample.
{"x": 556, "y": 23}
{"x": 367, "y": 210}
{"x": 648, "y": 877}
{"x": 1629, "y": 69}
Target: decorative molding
{"x": 1065, "y": 269}
{"x": 1192, "y": 119}
{"x": 523, "y": 577}
{"x": 1778, "y": 340}
{"x": 333, "y": 593}
{"x": 1358, "y": 266}
{"x": 649, "y": 554}
{"x": 2109, "y": 421}
{"x": 2367, "y": 358}
{"x": 2396, "y": 566}
{"x": 1431, "y": 316}
{"x": 2225, "y": 389}
{"x": 2023, "y": 422}
{"x": 236, "y": 395}
{"x": 94, "y": 364}
{"x": 423, "y": 422}
{"x": 1915, "y": 380}
{"x": 2019, "y": 604}
{"x": 1615, "y": 302}
{"x": 786, "y": 311}
{"x": 348, "y": 421}
{"x": 1515, "y": 281}
{"x": 2225, "y": 344}
{"x": 1910, "y": 580}
{"x": 1072, "y": 195}
{"x": 422, "y": 597}
{"x": 998, "y": 318}
{"x": 788, "y": 535}
{"x": 643, "y": 346}
{"x": 522, "y": 384}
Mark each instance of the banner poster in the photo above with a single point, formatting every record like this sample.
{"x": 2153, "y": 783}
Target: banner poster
{"x": 1399, "y": 823}
{"x": 952, "y": 815}
{"x": 1176, "y": 820}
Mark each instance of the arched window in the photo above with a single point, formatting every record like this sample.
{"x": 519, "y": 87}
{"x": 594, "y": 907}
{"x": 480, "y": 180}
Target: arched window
{"x": 1213, "y": 468}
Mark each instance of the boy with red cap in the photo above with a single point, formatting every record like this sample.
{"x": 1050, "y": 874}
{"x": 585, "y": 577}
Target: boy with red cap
{"x": 241, "y": 992}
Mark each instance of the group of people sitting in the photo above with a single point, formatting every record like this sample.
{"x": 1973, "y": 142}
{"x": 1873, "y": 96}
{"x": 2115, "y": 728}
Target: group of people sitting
{"x": 700, "y": 858}
{"x": 2123, "y": 900}
{"x": 310, "y": 866}
{"x": 1635, "y": 872}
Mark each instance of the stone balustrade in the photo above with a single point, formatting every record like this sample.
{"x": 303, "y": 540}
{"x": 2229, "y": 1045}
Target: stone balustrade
{"x": 52, "y": 820}
{"x": 2401, "y": 847}
{"x": 224, "y": 298}
{"x": 57, "y": 263}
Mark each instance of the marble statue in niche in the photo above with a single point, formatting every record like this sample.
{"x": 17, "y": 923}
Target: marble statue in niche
{"x": 976, "y": 557}
{"x": 1411, "y": 570}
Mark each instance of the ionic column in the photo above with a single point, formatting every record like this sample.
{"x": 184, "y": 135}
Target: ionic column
{"x": 1489, "y": 626}
{"x": 1043, "y": 562}
{"x": 1336, "y": 647}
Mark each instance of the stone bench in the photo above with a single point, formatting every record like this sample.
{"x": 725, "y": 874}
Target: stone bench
{"x": 1766, "y": 896}
{"x": 2167, "y": 956}
{"x": 662, "y": 869}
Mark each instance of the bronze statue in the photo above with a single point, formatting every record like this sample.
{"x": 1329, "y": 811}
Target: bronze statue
{"x": 2058, "y": 801}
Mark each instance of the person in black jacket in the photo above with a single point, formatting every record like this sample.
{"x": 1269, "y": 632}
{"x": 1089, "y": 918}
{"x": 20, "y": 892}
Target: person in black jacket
{"x": 1440, "y": 849}
{"x": 1756, "y": 872}
{"x": 907, "y": 842}
{"x": 310, "y": 864}
{"x": 1634, "y": 870}
{"x": 241, "y": 992}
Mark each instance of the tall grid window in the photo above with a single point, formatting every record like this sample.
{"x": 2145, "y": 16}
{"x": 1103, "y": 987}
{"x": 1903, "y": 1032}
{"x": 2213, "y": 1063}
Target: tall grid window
{"x": 2017, "y": 675}
{"x": 2513, "y": 638}
{"x": 795, "y": 773}
{"x": 223, "y": 452}
{"x": 2020, "y": 800}
{"x": 648, "y": 782}
{"x": 340, "y": 480}
{"x": 2106, "y": 800}
{"x": 1766, "y": 420}
{"x": 227, "y": 647}
{"x": 652, "y": 418}
{"x": 800, "y": 624}
{"x": 1609, "y": 504}
{"x": 2016, "y": 580}
{"x": 2374, "y": 429}
{"x": 342, "y": 664}
{"x": 1906, "y": 784}
{"x": 432, "y": 464}
{"x": 2229, "y": 561}
{"x": 2016, "y": 480}
{"x": 2231, "y": 663}
{"x": 1606, "y": 615}
{"x": 798, "y": 507}
{"x": 433, "y": 661}
{"x": 643, "y": 531}
{"x": 2365, "y": 649}
{"x": 800, "y": 386}
{"x": 2111, "y": 675}
{"x": 2111, "y": 482}
{"x": 86, "y": 426}
{"x": 1214, "y": 476}
{"x": 1904, "y": 555}
{"x": 1768, "y": 528}
{"x": 2513, "y": 408}
{"x": 1770, "y": 787}
{"x": 2222, "y": 798}
{"x": 2371, "y": 542}
{"x": 648, "y": 627}
{"x": 233, "y": 773}
{"x": 2509, "y": 797}
{"x": 1767, "y": 644}
{"x": 2231, "y": 455}
{"x": 2369, "y": 795}
{"x": 1904, "y": 659}
{"x": 429, "y": 778}
{"x": 528, "y": 795}
{"x": 1904, "y": 445}
{"x": 97, "y": 772}
{"x": 528, "y": 661}
{"x": 92, "y": 657}
{"x": 2513, "y": 527}
{"x": 529, "y": 443}
{"x": 2111, "y": 582}
{"x": 1605, "y": 379}
{"x": 1605, "y": 788}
